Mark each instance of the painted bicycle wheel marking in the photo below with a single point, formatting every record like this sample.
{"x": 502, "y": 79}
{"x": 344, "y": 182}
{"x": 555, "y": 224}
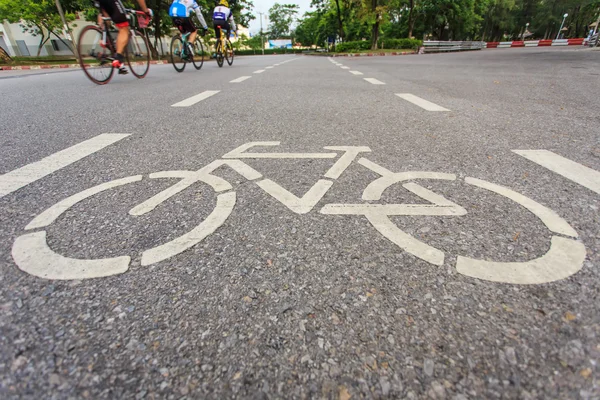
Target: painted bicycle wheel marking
{"x": 564, "y": 258}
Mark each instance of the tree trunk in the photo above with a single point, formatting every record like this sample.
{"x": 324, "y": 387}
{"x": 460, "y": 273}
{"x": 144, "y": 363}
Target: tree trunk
{"x": 4, "y": 55}
{"x": 43, "y": 39}
{"x": 340, "y": 22}
{"x": 411, "y": 22}
{"x": 375, "y": 30}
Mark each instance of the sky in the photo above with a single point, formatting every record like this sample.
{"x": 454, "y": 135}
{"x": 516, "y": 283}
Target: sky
{"x": 264, "y": 5}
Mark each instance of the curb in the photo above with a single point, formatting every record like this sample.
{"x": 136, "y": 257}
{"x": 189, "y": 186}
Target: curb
{"x": 362, "y": 54}
{"x": 57, "y": 66}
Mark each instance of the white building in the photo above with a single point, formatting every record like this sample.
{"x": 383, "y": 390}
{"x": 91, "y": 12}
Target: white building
{"x": 22, "y": 44}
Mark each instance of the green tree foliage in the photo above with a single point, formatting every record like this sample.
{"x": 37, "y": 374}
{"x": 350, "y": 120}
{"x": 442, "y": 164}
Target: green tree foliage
{"x": 281, "y": 17}
{"x": 39, "y": 17}
{"x": 490, "y": 20}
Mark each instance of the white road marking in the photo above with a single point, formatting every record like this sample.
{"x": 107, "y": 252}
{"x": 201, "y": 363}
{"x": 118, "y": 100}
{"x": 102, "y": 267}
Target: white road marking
{"x": 356, "y": 72}
{"x": 299, "y": 205}
{"x": 51, "y": 214}
{"x": 344, "y": 67}
{"x": 240, "y": 79}
{"x": 427, "y": 105}
{"x": 32, "y": 255}
{"x": 195, "y": 99}
{"x": 225, "y": 204}
{"x": 551, "y": 219}
{"x": 260, "y": 71}
{"x": 277, "y": 65}
{"x": 374, "y": 81}
{"x": 576, "y": 172}
{"x": 240, "y": 152}
{"x": 345, "y": 160}
{"x": 564, "y": 258}
{"x": 269, "y": 67}
{"x": 30, "y": 173}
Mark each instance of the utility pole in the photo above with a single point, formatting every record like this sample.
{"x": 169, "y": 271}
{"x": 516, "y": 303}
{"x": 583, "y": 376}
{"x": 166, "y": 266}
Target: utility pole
{"x": 66, "y": 28}
{"x": 262, "y": 38}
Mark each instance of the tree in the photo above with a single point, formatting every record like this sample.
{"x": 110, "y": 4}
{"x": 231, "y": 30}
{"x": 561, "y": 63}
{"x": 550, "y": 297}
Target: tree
{"x": 281, "y": 17}
{"x": 39, "y": 17}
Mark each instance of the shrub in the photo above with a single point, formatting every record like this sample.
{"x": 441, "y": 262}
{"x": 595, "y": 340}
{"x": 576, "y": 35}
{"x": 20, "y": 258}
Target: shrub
{"x": 267, "y": 51}
{"x": 388, "y": 43}
{"x": 346, "y": 47}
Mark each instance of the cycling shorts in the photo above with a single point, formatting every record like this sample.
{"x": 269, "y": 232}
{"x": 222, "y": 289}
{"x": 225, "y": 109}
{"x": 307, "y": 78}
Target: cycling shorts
{"x": 115, "y": 10}
{"x": 185, "y": 25}
{"x": 223, "y": 24}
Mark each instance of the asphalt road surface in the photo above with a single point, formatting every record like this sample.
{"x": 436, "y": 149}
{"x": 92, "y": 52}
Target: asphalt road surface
{"x": 390, "y": 227}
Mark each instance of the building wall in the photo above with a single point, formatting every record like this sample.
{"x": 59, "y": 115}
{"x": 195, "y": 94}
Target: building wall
{"x": 19, "y": 43}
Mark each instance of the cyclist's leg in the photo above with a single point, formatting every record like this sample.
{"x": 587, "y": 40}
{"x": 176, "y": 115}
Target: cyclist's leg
{"x": 116, "y": 10}
{"x": 191, "y": 28}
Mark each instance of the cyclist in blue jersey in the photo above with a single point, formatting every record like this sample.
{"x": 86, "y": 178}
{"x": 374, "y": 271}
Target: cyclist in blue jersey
{"x": 223, "y": 17}
{"x": 180, "y": 13}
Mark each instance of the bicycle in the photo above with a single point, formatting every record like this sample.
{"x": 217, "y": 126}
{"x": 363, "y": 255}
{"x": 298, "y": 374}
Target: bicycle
{"x": 224, "y": 43}
{"x": 184, "y": 52}
{"x": 565, "y": 257}
{"x": 99, "y": 45}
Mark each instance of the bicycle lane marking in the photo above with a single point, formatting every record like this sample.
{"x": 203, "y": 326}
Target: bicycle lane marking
{"x": 424, "y": 104}
{"x": 374, "y": 81}
{"x": 196, "y": 99}
{"x": 585, "y": 176}
{"x": 240, "y": 79}
{"x": 30, "y": 173}
{"x": 564, "y": 258}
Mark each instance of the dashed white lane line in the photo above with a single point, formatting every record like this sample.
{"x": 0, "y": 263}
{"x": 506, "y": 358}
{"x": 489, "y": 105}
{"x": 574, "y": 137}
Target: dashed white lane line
{"x": 424, "y": 104}
{"x": 30, "y": 173}
{"x": 240, "y": 79}
{"x": 277, "y": 65}
{"x": 260, "y": 71}
{"x": 195, "y": 99}
{"x": 374, "y": 81}
{"x": 576, "y": 172}
{"x": 344, "y": 67}
{"x": 356, "y": 72}
{"x": 270, "y": 67}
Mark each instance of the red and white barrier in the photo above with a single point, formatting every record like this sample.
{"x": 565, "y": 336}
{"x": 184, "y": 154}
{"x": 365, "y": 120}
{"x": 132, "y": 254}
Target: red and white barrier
{"x": 536, "y": 43}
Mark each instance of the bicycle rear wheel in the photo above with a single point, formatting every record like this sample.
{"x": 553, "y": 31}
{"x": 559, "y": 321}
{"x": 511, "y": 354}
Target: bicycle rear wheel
{"x": 176, "y": 53}
{"x": 198, "y": 56}
{"x": 229, "y": 52}
{"x": 219, "y": 52}
{"x": 138, "y": 54}
{"x": 95, "y": 59}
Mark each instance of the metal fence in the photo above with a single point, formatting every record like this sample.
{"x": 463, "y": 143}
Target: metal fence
{"x": 432, "y": 46}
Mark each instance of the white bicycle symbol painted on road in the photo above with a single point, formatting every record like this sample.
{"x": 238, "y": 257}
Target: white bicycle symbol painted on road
{"x": 564, "y": 258}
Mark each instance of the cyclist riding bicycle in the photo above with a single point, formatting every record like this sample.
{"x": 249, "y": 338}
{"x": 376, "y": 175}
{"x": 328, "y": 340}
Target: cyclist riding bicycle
{"x": 223, "y": 17}
{"x": 115, "y": 10}
{"x": 180, "y": 14}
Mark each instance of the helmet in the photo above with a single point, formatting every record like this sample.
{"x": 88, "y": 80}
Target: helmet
{"x": 224, "y": 3}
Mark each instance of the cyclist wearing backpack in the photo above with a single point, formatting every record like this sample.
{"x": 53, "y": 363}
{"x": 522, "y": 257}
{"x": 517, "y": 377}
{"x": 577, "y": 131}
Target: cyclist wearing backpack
{"x": 180, "y": 13}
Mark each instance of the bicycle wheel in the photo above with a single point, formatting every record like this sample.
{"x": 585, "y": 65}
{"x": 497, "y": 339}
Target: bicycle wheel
{"x": 95, "y": 60}
{"x": 219, "y": 55}
{"x": 198, "y": 56}
{"x": 176, "y": 53}
{"x": 138, "y": 54}
{"x": 229, "y": 52}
